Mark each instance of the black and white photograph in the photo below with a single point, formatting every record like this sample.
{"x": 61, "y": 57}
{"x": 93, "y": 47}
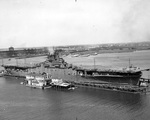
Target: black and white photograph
{"x": 74, "y": 59}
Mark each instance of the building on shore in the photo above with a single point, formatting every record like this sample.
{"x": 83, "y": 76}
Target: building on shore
{"x": 20, "y": 52}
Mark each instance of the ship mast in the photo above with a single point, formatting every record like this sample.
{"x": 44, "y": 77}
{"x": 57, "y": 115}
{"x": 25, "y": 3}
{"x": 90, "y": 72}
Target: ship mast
{"x": 94, "y": 63}
{"x": 130, "y": 65}
{"x": 129, "y": 62}
{"x": 2, "y": 62}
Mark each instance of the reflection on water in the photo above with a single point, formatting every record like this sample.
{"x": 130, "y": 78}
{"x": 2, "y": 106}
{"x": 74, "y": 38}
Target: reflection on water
{"x": 21, "y": 102}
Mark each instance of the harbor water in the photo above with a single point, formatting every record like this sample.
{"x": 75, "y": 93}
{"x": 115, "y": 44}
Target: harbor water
{"x": 18, "y": 102}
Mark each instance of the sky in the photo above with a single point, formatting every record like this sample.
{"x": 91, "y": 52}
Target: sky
{"x": 38, "y": 23}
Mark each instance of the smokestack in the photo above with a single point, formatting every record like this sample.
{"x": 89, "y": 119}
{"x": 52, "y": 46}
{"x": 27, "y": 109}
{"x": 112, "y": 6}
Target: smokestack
{"x": 51, "y": 50}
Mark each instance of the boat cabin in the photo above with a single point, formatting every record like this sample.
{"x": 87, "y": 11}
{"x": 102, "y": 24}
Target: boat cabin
{"x": 38, "y": 80}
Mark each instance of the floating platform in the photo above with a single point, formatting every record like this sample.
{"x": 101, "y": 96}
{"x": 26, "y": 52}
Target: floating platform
{"x": 114, "y": 87}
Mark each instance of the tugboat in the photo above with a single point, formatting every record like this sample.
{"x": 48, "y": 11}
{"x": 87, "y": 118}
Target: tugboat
{"x": 38, "y": 80}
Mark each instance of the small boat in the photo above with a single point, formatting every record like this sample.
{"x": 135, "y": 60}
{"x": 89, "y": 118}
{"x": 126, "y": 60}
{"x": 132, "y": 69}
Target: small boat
{"x": 85, "y": 55}
{"x": 94, "y": 53}
{"x": 75, "y": 55}
{"x": 58, "y": 83}
{"x": 2, "y": 73}
{"x": 144, "y": 84}
{"x": 22, "y": 83}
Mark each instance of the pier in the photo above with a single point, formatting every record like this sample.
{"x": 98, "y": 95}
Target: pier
{"x": 113, "y": 87}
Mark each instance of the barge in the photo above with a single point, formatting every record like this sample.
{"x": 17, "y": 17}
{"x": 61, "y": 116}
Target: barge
{"x": 115, "y": 87}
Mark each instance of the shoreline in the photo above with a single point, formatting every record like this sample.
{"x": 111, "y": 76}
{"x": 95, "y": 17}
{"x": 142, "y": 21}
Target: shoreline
{"x": 91, "y": 53}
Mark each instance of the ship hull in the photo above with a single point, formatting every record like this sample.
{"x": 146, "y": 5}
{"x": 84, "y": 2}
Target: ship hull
{"x": 106, "y": 76}
{"x": 112, "y": 77}
{"x": 16, "y": 74}
{"x": 115, "y": 79}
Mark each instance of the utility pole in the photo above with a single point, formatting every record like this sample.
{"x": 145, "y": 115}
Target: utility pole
{"x": 129, "y": 62}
